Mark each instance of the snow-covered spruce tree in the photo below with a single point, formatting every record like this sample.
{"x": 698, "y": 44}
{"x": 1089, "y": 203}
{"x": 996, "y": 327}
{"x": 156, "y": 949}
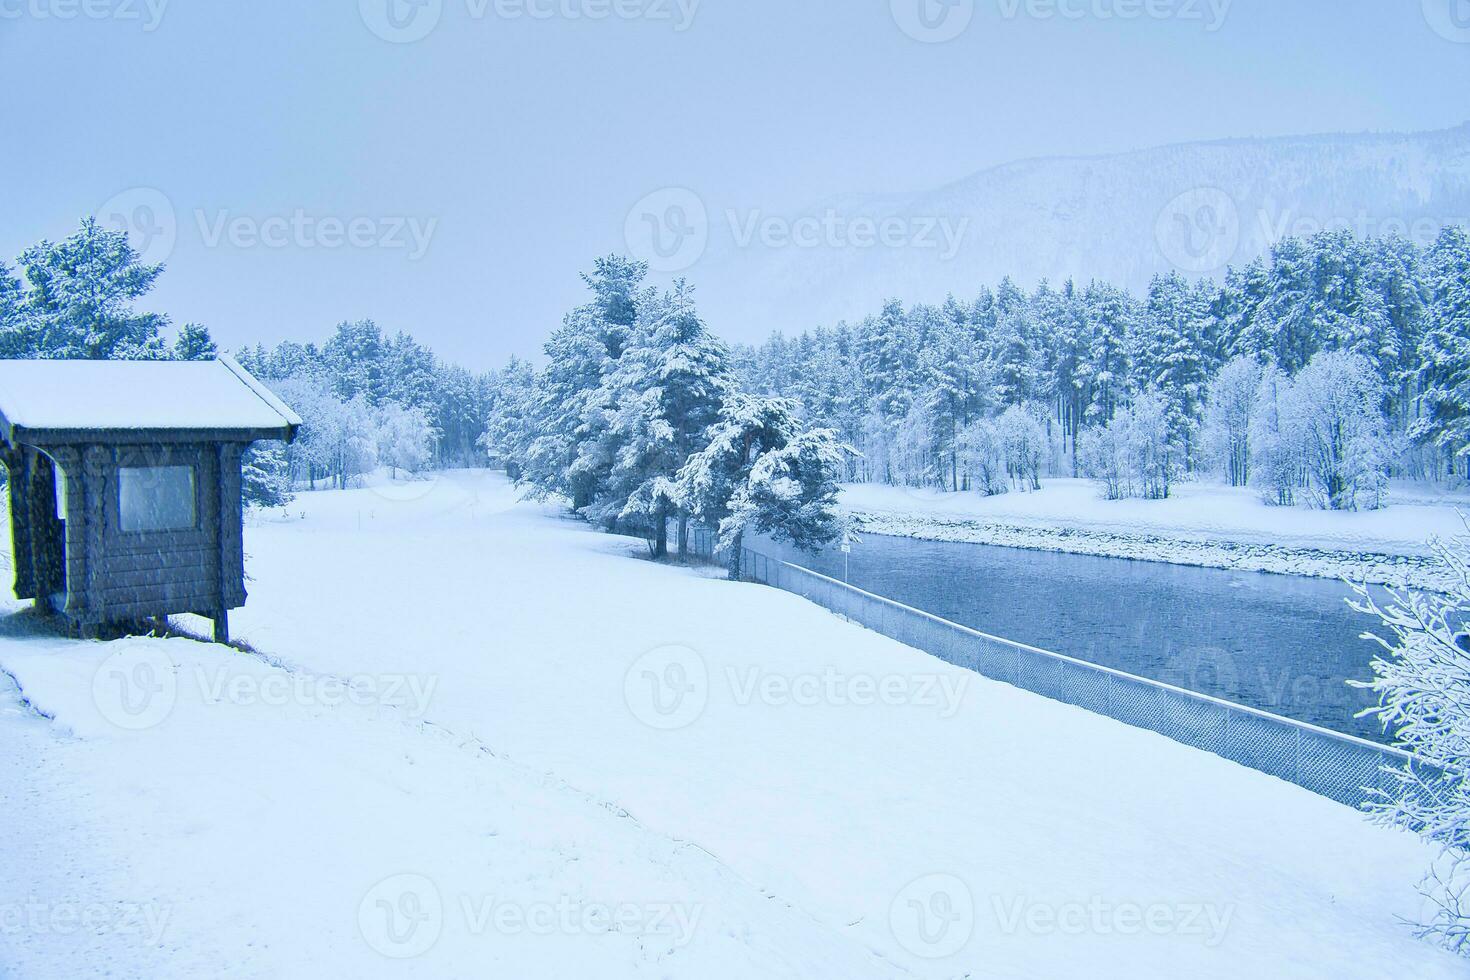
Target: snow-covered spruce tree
{"x": 508, "y": 419}
{"x": 667, "y": 390}
{"x": 1230, "y": 413}
{"x": 559, "y": 450}
{"x": 78, "y": 303}
{"x": 1422, "y": 680}
{"x": 266, "y": 475}
{"x": 749, "y": 426}
{"x": 1444, "y": 371}
{"x": 194, "y": 343}
{"x": 1171, "y": 359}
{"x": 761, "y": 474}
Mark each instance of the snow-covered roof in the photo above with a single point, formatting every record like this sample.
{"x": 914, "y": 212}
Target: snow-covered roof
{"x": 137, "y": 395}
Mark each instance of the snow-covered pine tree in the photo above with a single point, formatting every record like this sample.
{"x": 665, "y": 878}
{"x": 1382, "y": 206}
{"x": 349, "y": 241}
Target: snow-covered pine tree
{"x": 1286, "y": 324}
{"x": 667, "y": 390}
{"x": 1171, "y": 359}
{"x": 1112, "y": 316}
{"x": 265, "y": 472}
{"x": 1013, "y": 360}
{"x": 748, "y": 427}
{"x": 78, "y": 303}
{"x": 790, "y": 495}
{"x": 194, "y": 343}
{"x": 1444, "y": 353}
{"x": 14, "y": 338}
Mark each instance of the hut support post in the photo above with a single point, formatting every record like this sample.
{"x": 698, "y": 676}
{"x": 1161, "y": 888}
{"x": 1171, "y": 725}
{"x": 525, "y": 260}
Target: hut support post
{"x": 222, "y": 627}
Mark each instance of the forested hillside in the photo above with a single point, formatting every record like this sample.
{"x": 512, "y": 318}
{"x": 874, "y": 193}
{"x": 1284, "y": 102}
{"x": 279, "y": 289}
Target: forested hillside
{"x": 1316, "y": 373}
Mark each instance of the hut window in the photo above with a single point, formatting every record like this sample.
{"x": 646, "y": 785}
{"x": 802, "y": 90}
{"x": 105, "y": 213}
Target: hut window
{"x": 156, "y": 498}
{"x": 60, "y": 475}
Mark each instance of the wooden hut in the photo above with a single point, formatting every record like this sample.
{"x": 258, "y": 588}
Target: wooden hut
{"x": 125, "y": 481}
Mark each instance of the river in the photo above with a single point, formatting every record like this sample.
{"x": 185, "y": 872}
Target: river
{"x": 1285, "y": 644}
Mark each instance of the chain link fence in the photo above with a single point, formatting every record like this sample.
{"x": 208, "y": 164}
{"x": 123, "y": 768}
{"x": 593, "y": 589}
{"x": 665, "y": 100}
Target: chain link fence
{"x": 1340, "y": 767}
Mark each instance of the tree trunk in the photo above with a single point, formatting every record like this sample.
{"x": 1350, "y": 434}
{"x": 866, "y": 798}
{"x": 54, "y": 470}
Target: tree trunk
{"x": 661, "y": 534}
{"x": 734, "y": 558}
{"x": 683, "y": 534}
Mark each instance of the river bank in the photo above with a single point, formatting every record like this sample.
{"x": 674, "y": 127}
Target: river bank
{"x": 1204, "y": 526}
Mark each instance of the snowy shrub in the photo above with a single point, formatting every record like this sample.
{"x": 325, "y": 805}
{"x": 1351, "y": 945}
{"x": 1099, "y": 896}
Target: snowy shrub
{"x": 337, "y": 439}
{"x": 1327, "y": 422}
{"x": 1338, "y": 396}
{"x": 1135, "y": 454}
{"x": 1275, "y": 438}
{"x": 982, "y": 458}
{"x": 1156, "y": 458}
{"x": 405, "y": 438}
{"x": 1103, "y": 455}
{"x": 1422, "y": 680}
{"x": 1230, "y": 412}
{"x": 915, "y": 452}
{"x": 1024, "y": 445}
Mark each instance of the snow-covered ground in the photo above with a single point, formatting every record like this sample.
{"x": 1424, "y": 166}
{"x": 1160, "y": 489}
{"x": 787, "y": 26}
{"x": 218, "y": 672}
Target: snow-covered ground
{"x": 561, "y": 760}
{"x": 1201, "y": 524}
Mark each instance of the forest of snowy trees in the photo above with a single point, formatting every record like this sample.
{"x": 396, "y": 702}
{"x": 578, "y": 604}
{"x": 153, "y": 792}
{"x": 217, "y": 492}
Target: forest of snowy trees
{"x": 366, "y": 400}
{"x": 639, "y": 421}
{"x": 1314, "y": 374}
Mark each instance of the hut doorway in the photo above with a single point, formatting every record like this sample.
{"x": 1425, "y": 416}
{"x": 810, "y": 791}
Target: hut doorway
{"x": 48, "y": 528}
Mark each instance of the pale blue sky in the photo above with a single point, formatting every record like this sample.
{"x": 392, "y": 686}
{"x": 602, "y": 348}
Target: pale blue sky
{"x": 519, "y": 143}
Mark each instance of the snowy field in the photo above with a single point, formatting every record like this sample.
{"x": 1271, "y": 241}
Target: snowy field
{"x": 1201, "y": 524}
{"x": 484, "y": 740}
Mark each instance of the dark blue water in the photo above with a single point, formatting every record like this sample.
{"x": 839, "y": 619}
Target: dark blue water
{"x": 1285, "y": 644}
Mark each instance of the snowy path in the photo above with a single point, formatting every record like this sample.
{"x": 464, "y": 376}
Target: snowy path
{"x": 847, "y": 806}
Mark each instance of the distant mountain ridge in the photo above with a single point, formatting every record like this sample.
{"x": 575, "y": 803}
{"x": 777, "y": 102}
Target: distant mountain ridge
{"x": 1194, "y": 207}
